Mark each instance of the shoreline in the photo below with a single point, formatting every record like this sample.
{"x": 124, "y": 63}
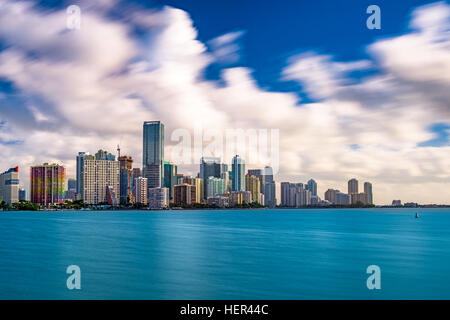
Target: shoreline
{"x": 223, "y": 209}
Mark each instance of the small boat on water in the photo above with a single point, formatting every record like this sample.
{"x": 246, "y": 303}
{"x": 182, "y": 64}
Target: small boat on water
{"x": 417, "y": 215}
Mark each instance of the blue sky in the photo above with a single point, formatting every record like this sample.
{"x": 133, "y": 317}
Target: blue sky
{"x": 348, "y": 101}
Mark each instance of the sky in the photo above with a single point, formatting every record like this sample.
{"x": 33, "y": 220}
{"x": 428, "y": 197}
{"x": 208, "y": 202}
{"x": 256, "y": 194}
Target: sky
{"x": 347, "y": 101}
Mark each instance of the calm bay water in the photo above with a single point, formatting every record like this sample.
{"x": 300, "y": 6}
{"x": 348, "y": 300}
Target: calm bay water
{"x": 229, "y": 254}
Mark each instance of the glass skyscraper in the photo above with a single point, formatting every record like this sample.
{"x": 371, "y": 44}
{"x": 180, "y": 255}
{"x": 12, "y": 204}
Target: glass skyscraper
{"x": 238, "y": 174}
{"x": 210, "y": 167}
{"x": 153, "y": 153}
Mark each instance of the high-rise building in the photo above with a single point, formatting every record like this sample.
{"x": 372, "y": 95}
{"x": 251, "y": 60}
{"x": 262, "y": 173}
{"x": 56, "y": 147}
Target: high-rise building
{"x": 358, "y": 197}
{"x": 215, "y": 186}
{"x": 368, "y": 192}
{"x": 47, "y": 184}
{"x": 352, "y": 186}
{"x": 184, "y": 194}
{"x": 9, "y": 186}
{"x": 153, "y": 153}
{"x": 312, "y": 186}
{"x": 238, "y": 174}
{"x": 104, "y": 155}
{"x": 80, "y": 169}
{"x": 341, "y": 198}
{"x": 270, "y": 195}
{"x": 210, "y": 167}
{"x": 269, "y": 188}
{"x": 126, "y": 179}
{"x": 170, "y": 177}
{"x": 141, "y": 190}
{"x": 337, "y": 197}
{"x": 137, "y": 173}
{"x": 199, "y": 189}
{"x": 295, "y": 195}
{"x": 259, "y": 173}
{"x": 158, "y": 198}
{"x": 240, "y": 197}
{"x": 330, "y": 195}
{"x": 22, "y": 194}
{"x": 97, "y": 176}
{"x": 71, "y": 193}
{"x": 226, "y": 178}
{"x": 253, "y": 185}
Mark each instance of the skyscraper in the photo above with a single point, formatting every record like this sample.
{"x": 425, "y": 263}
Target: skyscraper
{"x": 80, "y": 168}
{"x": 352, "y": 186}
{"x": 170, "y": 177}
{"x": 269, "y": 188}
{"x": 210, "y": 167}
{"x": 252, "y": 184}
{"x": 104, "y": 155}
{"x": 71, "y": 193}
{"x": 22, "y": 194}
{"x": 260, "y": 175}
{"x": 153, "y": 153}
{"x": 184, "y": 194}
{"x": 100, "y": 179}
{"x": 141, "y": 190}
{"x": 368, "y": 192}
{"x": 158, "y": 198}
{"x": 238, "y": 174}
{"x": 312, "y": 186}
{"x": 215, "y": 186}
{"x": 47, "y": 184}
{"x": 9, "y": 186}
{"x": 126, "y": 179}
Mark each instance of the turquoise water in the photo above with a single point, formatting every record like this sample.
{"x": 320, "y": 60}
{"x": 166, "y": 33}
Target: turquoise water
{"x": 230, "y": 254}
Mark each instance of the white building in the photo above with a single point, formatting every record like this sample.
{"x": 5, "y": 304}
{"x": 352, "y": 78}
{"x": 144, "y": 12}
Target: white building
{"x": 141, "y": 190}
{"x": 9, "y": 186}
{"x": 98, "y": 178}
{"x": 158, "y": 198}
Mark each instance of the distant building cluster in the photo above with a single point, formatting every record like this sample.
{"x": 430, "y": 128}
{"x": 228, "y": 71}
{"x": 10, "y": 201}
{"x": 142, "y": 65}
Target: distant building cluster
{"x": 301, "y": 195}
{"x": 103, "y": 179}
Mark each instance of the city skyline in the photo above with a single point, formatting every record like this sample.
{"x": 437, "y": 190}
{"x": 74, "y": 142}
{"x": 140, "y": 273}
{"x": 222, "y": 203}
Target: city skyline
{"x": 375, "y": 108}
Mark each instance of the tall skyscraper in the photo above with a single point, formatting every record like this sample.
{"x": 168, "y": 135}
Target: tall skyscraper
{"x": 141, "y": 190}
{"x": 312, "y": 186}
{"x": 153, "y": 153}
{"x": 269, "y": 187}
{"x": 210, "y": 167}
{"x": 238, "y": 174}
{"x": 9, "y": 186}
{"x": 100, "y": 179}
{"x": 80, "y": 168}
{"x": 352, "y": 186}
{"x": 215, "y": 186}
{"x": 71, "y": 193}
{"x": 47, "y": 184}
{"x": 252, "y": 184}
{"x": 259, "y": 173}
{"x": 368, "y": 192}
{"x": 126, "y": 179}
{"x": 170, "y": 177}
